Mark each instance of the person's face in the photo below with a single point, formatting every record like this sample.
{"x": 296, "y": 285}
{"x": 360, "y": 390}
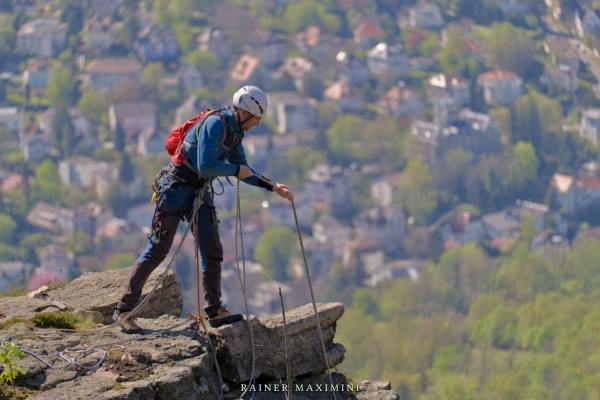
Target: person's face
{"x": 252, "y": 122}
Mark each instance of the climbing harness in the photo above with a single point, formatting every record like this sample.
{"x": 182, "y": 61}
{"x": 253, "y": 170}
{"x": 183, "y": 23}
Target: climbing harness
{"x": 78, "y": 351}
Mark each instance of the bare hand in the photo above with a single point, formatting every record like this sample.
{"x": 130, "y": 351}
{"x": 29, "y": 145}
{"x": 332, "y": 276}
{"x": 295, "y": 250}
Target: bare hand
{"x": 283, "y": 191}
{"x": 245, "y": 172}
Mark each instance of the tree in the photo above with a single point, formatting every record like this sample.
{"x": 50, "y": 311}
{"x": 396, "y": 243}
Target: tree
{"x": 61, "y": 129}
{"x": 68, "y": 139}
{"x": 274, "y": 250}
{"x": 2, "y": 90}
{"x": 126, "y": 173}
{"x": 129, "y": 31}
{"x": 5, "y": 137}
{"x": 61, "y": 87}
{"x": 416, "y": 192}
{"x": 453, "y": 58}
{"x": 422, "y": 242}
{"x": 94, "y": 105}
{"x": 344, "y": 138}
{"x": 205, "y": 61}
{"x": 152, "y": 76}
{"x": 522, "y": 168}
{"x": 7, "y": 228}
{"x": 7, "y": 37}
{"x": 80, "y": 243}
{"x": 72, "y": 14}
{"x": 511, "y": 49}
{"x": 305, "y": 13}
{"x": 46, "y": 183}
{"x": 120, "y": 260}
{"x": 482, "y": 12}
{"x": 451, "y": 175}
{"x": 300, "y": 160}
{"x": 313, "y": 86}
{"x": 120, "y": 137}
{"x": 462, "y": 275}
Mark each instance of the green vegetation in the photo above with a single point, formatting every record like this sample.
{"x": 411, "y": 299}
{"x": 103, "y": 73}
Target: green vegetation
{"x": 274, "y": 250}
{"x": 520, "y": 326}
{"x": 59, "y": 320}
{"x": 8, "y": 354}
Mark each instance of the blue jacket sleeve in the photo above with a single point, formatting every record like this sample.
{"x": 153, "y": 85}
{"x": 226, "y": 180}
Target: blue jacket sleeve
{"x": 238, "y": 156}
{"x": 210, "y": 135}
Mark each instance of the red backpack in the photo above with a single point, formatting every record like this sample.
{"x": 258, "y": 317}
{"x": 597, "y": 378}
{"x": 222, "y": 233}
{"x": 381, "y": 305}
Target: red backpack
{"x": 174, "y": 142}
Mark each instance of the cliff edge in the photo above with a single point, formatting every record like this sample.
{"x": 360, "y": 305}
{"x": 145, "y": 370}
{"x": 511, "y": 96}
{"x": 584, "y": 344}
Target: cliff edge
{"x": 177, "y": 364}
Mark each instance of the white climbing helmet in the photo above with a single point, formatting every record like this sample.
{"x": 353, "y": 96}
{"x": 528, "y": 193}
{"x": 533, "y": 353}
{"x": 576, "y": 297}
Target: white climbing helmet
{"x": 251, "y": 99}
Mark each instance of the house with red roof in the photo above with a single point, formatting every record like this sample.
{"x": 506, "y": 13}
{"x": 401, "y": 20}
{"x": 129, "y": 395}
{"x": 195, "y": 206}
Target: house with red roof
{"x": 343, "y": 97}
{"x": 575, "y": 194}
{"x": 500, "y": 87}
{"x": 248, "y": 70}
{"x": 367, "y": 34}
{"x": 400, "y": 101}
{"x": 107, "y": 73}
{"x": 313, "y": 41}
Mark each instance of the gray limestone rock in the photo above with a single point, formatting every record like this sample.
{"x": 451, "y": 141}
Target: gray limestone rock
{"x": 304, "y": 346}
{"x": 177, "y": 364}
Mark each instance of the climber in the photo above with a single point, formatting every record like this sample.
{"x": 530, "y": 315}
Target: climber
{"x": 207, "y": 145}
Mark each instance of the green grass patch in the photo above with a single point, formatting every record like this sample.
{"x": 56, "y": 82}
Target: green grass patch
{"x": 14, "y": 292}
{"x": 58, "y": 285}
{"x": 16, "y": 320}
{"x": 58, "y": 320}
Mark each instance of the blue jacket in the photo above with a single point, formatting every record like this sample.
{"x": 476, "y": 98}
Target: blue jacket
{"x": 205, "y": 153}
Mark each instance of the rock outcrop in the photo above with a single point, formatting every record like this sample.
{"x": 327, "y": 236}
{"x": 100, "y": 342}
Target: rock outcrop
{"x": 178, "y": 364}
{"x": 94, "y": 291}
{"x": 304, "y": 346}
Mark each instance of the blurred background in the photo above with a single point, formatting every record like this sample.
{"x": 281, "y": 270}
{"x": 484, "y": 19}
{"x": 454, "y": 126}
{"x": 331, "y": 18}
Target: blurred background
{"x": 443, "y": 155}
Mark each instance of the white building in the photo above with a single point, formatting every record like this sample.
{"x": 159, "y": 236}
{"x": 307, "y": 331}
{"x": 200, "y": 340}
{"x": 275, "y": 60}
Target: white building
{"x": 424, "y": 15}
{"x": 327, "y": 230}
{"x": 42, "y": 37}
{"x": 291, "y": 112}
{"x": 384, "y": 59}
{"x": 329, "y": 185}
{"x": 590, "y": 124}
{"x": 386, "y": 226}
{"x": 500, "y": 88}
{"x": 587, "y": 21}
{"x": 11, "y": 118}
{"x": 107, "y": 73}
{"x": 449, "y": 85}
{"x": 37, "y": 73}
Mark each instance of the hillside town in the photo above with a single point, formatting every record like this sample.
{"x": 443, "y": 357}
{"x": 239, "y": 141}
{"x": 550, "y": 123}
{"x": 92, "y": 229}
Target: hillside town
{"x": 404, "y": 128}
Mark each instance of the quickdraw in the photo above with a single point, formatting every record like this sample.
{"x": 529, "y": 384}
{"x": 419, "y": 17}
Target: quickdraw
{"x": 156, "y": 229}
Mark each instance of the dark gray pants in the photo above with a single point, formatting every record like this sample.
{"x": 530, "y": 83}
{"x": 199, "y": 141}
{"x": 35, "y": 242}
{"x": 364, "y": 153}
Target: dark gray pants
{"x": 174, "y": 197}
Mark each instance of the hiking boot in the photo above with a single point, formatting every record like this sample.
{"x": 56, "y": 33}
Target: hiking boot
{"x": 128, "y": 325}
{"x": 224, "y": 317}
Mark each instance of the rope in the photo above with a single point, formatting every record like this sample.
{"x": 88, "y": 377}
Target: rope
{"x": 87, "y": 350}
{"x": 197, "y": 204}
{"x": 312, "y": 294}
{"x": 238, "y": 219}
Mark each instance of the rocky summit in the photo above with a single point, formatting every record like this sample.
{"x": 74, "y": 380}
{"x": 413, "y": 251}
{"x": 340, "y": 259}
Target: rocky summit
{"x": 179, "y": 363}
